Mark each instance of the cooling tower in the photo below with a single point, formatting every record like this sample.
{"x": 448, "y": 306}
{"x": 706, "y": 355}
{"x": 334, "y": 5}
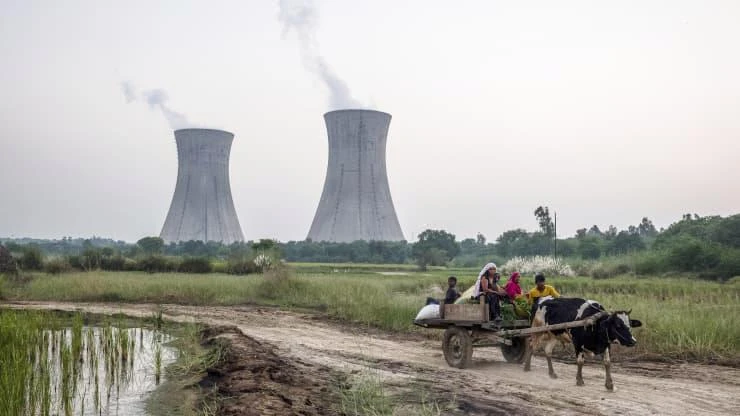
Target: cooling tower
{"x": 356, "y": 202}
{"x": 202, "y": 208}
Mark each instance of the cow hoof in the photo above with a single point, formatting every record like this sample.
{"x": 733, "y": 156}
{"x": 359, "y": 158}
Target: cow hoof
{"x": 553, "y": 375}
{"x": 580, "y": 383}
{"x": 610, "y": 387}
{"x": 527, "y": 369}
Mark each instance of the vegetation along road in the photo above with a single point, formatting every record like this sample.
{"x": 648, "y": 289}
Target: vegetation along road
{"x": 409, "y": 364}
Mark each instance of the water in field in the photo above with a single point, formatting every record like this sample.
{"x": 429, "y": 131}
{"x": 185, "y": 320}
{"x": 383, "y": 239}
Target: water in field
{"x": 105, "y": 370}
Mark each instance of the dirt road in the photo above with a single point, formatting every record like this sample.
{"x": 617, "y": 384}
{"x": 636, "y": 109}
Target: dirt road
{"x": 491, "y": 386}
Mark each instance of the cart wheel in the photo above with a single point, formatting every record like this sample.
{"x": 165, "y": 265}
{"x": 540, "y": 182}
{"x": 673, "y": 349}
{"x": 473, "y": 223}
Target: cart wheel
{"x": 514, "y": 353}
{"x": 457, "y": 347}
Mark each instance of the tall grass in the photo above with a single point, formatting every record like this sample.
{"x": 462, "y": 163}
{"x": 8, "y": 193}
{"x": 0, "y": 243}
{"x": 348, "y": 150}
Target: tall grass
{"x": 683, "y": 318}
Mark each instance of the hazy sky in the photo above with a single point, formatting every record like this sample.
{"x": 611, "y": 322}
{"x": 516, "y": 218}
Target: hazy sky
{"x": 604, "y": 111}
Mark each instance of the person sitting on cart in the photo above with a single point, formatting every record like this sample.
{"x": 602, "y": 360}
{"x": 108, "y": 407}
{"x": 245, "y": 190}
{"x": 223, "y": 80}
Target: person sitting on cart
{"x": 452, "y": 294}
{"x": 540, "y": 291}
{"x": 487, "y": 286}
{"x": 514, "y": 295}
{"x": 513, "y": 290}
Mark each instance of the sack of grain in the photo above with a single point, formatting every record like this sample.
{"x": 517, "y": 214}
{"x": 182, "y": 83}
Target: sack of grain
{"x": 428, "y": 312}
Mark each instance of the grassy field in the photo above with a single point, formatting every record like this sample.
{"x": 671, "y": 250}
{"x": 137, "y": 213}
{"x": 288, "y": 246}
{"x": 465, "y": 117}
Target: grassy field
{"x": 683, "y": 318}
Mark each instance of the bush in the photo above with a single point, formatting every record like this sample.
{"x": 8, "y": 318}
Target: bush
{"x": 8, "y": 264}
{"x": 651, "y": 262}
{"x": 114, "y": 263}
{"x": 57, "y": 266}
{"x": 277, "y": 281}
{"x": 32, "y": 259}
{"x": 729, "y": 263}
{"x": 195, "y": 265}
{"x": 156, "y": 264}
{"x": 130, "y": 265}
{"x": 689, "y": 254}
{"x": 242, "y": 266}
{"x": 220, "y": 267}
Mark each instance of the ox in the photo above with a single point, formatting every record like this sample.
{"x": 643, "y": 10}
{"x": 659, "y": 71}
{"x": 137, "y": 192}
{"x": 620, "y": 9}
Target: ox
{"x": 595, "y": 338}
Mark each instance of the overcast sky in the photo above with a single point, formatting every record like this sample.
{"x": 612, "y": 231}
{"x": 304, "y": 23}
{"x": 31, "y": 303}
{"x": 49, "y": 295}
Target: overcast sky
{"x": 604, "y": 111}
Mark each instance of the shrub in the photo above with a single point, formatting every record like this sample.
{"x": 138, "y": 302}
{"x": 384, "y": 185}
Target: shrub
{"x": 277, "y": 281}
{"x": 241, "y": 266}
{"x": 75, "y": 262}
{"x": 156, "y": 264}
{"x": 8, "y": 264}
{"x": 690, "y": 254}
{"x": 195, "y": 265}
{"x": 130, "y": 265}
{"x": 114, "y": 263}
{"x": 729, "y": 263}
{"x": 220, "y": 267}
{"x": 32, "y": 259}
{"x": 57, "y": 266}
{"x": 649, "y": 263}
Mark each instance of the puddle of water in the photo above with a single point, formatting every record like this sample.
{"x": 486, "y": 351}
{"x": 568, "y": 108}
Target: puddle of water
{"x": 115, "y": 370}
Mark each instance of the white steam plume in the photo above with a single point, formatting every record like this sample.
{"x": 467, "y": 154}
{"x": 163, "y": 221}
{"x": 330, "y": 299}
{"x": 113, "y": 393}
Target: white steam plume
{"x": 301, "y": 16}
{"x": 156, "y": 98}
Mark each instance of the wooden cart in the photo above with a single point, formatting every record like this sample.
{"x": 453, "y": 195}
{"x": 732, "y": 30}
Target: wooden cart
{"x": 468, "y": 326}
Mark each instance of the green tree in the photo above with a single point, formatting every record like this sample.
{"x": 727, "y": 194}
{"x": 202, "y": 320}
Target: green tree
{"x": 510, "y": 242}
{"x": 646, "y": 228}
{"x": 727, "y": 232}
{"x": 151, "y": 245}
{"x": 7, "y": 262}
{"x": 435, "y": 247}
{"x": 594, "y": 230}
{"x": 543, "y": 218}
{"x": 265, "y": 244}
{"x": 32, "y": 259}
{"x": 589, "y": 247}
{"x": 625, "y": 242}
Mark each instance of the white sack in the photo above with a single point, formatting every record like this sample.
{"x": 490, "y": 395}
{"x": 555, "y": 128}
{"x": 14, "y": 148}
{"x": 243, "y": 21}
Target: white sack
{"x": 428, "y": 312}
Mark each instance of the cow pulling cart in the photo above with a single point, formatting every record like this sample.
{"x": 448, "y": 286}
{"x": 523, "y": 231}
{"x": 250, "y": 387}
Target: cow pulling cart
{"x": 468, "y": 326}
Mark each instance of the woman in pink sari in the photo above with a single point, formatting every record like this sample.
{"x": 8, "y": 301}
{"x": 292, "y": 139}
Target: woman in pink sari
{"x": 512, "y": 286}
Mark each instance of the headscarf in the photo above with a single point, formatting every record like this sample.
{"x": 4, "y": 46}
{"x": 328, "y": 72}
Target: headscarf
{"x": 512, "y": 287}
{"x": 487, "y": 267}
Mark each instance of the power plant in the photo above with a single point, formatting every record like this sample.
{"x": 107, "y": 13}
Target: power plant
{"x": 356, "y": 201}
{"x": 202, "y": 207}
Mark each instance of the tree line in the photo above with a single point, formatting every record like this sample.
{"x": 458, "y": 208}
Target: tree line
{"x": 710, "y": 245}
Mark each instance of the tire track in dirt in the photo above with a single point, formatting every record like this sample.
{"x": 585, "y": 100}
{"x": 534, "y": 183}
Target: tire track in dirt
{"x": 490, "y": 386}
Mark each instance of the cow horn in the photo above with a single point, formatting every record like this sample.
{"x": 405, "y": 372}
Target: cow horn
{"x": 629, "y": 311}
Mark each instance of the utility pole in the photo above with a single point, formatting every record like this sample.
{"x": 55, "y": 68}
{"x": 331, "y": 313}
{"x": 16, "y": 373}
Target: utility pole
{"x": 556, "y": 234}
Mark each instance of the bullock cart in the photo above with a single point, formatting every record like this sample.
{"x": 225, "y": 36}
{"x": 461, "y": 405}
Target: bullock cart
{"x": 468, "y": 326}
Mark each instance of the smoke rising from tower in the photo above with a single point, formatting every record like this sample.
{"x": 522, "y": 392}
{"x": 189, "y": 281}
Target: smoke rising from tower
{"x": 301, "y": 16}
{"x": 157, "y": 99}
{"x": 202, "y": 207}
{"x": 356, "y": 202}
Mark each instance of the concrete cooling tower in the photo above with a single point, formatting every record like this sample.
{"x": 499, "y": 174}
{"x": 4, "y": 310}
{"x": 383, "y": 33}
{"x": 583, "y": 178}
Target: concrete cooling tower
{"x": 356, "y": 202}
{"x": 202, "y": 208}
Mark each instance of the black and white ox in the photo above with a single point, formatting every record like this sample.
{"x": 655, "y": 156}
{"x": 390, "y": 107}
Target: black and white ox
{"x": 610, "y": 328}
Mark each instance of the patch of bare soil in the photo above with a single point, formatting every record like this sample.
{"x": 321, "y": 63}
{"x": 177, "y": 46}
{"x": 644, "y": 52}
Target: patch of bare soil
{"x": 251, "y": 379}
{"x": 303, "y": 344}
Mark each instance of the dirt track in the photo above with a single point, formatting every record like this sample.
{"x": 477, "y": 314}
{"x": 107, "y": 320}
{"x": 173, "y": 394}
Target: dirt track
{"x": 491, "y": 386}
